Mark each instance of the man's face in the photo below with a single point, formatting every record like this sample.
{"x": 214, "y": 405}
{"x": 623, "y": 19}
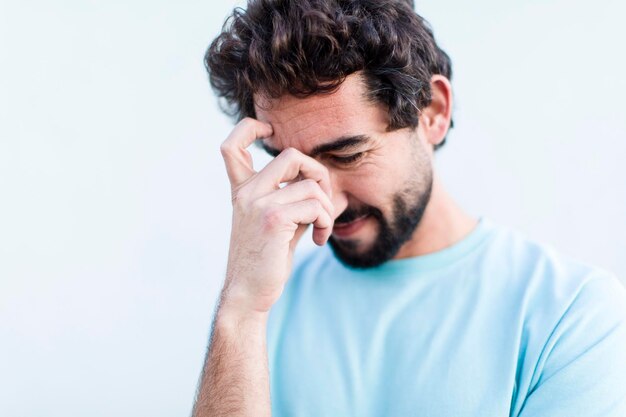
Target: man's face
{"x": 381, "y": 180}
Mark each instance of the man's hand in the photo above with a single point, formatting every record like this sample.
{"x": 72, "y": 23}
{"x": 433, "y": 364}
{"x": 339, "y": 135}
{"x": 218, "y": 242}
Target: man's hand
{"x": 269, "y": 220}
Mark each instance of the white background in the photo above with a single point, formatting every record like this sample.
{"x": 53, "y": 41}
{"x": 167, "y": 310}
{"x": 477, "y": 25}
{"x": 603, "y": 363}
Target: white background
{"x": 114, "y": 205}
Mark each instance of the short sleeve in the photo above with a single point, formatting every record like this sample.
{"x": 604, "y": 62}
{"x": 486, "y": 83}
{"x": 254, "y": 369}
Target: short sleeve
{"x": 582, "y": 369}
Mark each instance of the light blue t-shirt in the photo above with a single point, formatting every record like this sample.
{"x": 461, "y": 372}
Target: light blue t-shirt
{"x": 495, "y": 325}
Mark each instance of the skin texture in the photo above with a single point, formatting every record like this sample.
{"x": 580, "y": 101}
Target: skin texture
{"x": 269, "y": 220}
{"x": 386, "y": 175}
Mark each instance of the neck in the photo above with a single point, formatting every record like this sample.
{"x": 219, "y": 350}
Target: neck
{"x": 443, "y": 224}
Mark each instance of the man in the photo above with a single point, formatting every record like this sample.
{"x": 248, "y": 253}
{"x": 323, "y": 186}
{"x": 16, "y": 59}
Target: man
{"x": 414, "y": 308}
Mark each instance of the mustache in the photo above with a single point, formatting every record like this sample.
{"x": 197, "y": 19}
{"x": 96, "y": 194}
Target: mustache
{"x": 351, "y": 214}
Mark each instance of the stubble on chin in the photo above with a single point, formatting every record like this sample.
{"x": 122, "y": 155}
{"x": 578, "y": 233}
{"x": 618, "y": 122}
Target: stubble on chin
{"x": 389, "y": 234}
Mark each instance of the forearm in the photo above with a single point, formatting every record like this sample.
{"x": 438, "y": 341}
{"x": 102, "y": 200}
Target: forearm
{"x": 235, "y": 380}
{"x": 268, "y": 221}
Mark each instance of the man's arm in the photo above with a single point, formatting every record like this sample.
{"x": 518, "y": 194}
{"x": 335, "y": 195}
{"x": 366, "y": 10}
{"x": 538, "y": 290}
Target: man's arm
{"x": 235, "y": 380}
{"x": 267, "y": 223}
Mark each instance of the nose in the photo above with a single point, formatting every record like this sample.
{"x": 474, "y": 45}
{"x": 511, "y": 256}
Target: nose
{"x": 340, "y": 198}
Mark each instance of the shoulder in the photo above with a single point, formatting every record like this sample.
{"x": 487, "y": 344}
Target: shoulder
{"x": 553, "y": 295}
{"x": 571, "y": 326}
{"x": 544, "y": 276}
{"x": 572, "y": 321}
{"x": 575, "y": 333}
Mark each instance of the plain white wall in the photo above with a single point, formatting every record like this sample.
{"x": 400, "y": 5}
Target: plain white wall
{"x": 114, "y": 205}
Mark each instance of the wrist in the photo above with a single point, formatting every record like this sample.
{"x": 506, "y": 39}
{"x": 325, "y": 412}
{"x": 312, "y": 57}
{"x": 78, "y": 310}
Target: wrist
{"x": 241, "y": 300}
{"x": 231, "y": 312}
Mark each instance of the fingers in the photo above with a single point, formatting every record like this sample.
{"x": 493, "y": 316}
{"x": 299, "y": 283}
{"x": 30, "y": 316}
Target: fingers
{"x": 307, "y": 191}
{"x": 291, "y": 164}
{"x": 302, "y": 190}
{"x": 237, "y": 159}
{"x": 305, "y": 200}
{"x": 311, "y": 211}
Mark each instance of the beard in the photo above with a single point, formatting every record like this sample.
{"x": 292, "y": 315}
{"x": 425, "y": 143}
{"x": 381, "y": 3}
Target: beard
{"x": 408, "y": 208}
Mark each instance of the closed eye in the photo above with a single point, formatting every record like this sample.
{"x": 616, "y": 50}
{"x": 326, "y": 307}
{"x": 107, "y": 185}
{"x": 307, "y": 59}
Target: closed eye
{"x": 346, "y": 159}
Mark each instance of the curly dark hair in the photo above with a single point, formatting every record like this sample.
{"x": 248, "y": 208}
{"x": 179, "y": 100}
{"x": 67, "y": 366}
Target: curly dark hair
{"x": 305, "y": 47}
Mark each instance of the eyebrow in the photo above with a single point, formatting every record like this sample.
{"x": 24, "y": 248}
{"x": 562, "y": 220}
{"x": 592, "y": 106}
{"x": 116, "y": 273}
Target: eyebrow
{"x": 340, "y": 144}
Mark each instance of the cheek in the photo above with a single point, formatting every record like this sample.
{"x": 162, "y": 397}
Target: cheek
{"x": 371, "y": 185}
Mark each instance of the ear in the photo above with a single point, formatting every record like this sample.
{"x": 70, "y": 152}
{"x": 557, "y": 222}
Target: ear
{"x": 434, "y": 120}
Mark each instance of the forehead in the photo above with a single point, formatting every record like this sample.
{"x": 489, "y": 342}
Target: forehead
{"x": 304, "y": 123}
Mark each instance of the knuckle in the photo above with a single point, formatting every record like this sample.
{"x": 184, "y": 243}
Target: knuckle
{"x": 325, "y": 219}
{"x": 316, "y": 205}
{"x": 257, "y": 206}
{"x": 273, "y": 217}
{"x": 246, "y": 121}
{"x": 225, "y": 147}
{"x": 290, "y": 152}
{"x": 310, "y": 186}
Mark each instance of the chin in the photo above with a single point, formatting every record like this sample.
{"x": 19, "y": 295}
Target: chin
{"x": 360, "y": 252}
